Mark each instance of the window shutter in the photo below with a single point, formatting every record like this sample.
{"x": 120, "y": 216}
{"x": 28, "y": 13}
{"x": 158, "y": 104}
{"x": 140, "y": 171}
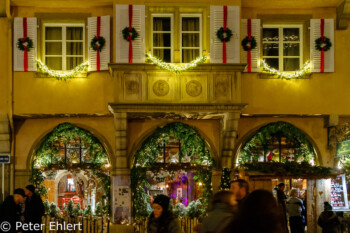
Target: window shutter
{"x": 315, "y": 55}
{"x": 138, "y": 45}
{"x": 105, "y": 33}
{"x": 233, "y": 23}
{"x": 254, "y": 53}
{"x": 18, "y": 55}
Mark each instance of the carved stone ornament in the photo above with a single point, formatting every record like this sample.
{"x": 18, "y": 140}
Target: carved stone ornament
{"x": 194, "y": 88}
{"x": 161, "y": 88}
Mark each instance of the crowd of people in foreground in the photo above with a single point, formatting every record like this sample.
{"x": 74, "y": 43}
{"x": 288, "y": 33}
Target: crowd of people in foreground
{"x": 23, "y": 206}
{"x": 238, "y": 211}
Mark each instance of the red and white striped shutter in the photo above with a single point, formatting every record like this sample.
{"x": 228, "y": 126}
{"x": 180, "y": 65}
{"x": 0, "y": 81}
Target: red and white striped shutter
{"x": 315, "y": 55}
{"x": 105, "y": 33}
{"x": 233, "y": 23}
{"x": 18, "y": 55}
{"x": 255, "y": 53}
{"x": 138, "y": 45}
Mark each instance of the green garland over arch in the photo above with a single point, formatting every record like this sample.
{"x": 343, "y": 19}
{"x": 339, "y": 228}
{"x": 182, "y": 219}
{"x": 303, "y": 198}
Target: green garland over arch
{"x": 45, "y": 159}
{"x": 303, "y": 147}
{"x": 145, "y": 158}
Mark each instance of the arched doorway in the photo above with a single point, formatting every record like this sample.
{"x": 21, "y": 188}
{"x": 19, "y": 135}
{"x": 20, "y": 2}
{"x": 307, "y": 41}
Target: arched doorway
{"x": 71, "y": 168}
{"x": 173, "y": 161}
{"x": 278, "y": 142}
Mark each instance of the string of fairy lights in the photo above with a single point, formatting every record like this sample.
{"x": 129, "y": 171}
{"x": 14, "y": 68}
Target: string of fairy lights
{"x": 286, "y": 75}
{"x": 61, "y": 75}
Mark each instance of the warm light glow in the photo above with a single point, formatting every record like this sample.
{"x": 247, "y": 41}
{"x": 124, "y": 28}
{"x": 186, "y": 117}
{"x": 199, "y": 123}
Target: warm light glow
{"x": 286, "y": 75}
{"x": 200, "y": 184}
{"x": 61, "y": 75}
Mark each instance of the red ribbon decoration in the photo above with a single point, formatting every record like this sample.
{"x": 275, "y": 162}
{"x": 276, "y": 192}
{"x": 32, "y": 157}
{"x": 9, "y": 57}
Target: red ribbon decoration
{"x": 224, "y": 60}
{"x": 98, "y": 62}
{"x": 25, "y": 61}
{"x": 249, "y": 56}
{"x": 323, "y": 48}
{"x": 130, "y": 28}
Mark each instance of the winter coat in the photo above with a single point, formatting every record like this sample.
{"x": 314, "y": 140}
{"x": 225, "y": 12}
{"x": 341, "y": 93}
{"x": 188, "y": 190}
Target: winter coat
{"x": 294, "y": 207}
{"x": 10, "y": 212}
{"x": 167, "y": 223}
{"x": 34, "y": 210}
{"x": 329, "y": 222}
{"x": 218, "y": 219}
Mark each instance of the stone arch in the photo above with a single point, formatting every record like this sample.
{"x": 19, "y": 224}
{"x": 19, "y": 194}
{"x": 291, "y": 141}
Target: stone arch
{"x": 137, "y": 145}
{"x": 94, "y": 132}
{"x": 245, "y": 138}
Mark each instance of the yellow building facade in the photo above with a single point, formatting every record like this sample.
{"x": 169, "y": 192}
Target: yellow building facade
{"x": 124, "y": 104}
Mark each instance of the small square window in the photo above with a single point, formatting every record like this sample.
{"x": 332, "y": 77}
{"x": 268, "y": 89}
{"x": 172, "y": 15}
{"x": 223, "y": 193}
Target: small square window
{"x": 283, "y": 47}
{"x": 63, "y": 45}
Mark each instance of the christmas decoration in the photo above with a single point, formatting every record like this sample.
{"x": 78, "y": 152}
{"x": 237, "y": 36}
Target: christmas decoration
{"x": 225, "y": 179}
{"x": 323, "y": 44}
{"x": 24, "y": 44}
{"x": 224, "y": 35}
{"x": 286, "y": 75}
{"x": 61, "y": 75}
{"x": 173, "y": 67}
{"x": 130, "y": 34}
{"x": 145, "y": 159}
{"x": 248, "y": 43}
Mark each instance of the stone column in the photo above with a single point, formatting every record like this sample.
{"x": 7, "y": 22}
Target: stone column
{"x": 121, "y": 172}
{"x": 230, "y": 128}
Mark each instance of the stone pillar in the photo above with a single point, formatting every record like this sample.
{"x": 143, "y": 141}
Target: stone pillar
{"x": 121, "y": 211}
{"x": 5, "y": 148}
{"x": 230, "y": 128}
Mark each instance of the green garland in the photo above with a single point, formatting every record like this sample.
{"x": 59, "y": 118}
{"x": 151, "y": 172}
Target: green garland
{"x": 45, "y": 158}
{"x": 303, "y": 148}
{"x": 145, "y": 158}
{"x": 61, "y": 75}
{"x": 305, "y": 70}
{"x": 303, "y": 169}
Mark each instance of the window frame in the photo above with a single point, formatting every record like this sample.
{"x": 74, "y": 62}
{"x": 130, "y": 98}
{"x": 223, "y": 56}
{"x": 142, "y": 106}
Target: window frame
{"x": 191, "y": 15}
{"x": 171, "y": 16}
{"x": 280, "y": 43}
{"x": 63, "y": 41}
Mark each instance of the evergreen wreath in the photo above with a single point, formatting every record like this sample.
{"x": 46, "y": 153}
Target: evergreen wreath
{"x": 24, "y": 43}
{"x": 130, "y": 35}
{"x": 224, "y": 35}
{"x": 248, "y": 43}
{"x": 323, "y": 43}
{"x": 97, "y": 43}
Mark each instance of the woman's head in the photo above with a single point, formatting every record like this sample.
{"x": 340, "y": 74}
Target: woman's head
{"x": 295, "y": 192}
{"x": 226, "y": 197}
{"x": 160, "y": 205}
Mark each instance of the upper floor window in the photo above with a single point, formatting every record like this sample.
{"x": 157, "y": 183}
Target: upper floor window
{"x": 63, "y": 45}
{"x": 162, "y": 37}
{"x": 191, "y": 37}
{"x": 283, "y": 46}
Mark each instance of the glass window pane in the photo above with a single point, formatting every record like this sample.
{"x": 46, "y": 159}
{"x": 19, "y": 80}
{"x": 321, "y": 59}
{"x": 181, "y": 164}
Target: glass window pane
{"x": 272, "y": 62}
{"x": 290, "y": 64}
{"x": 53, "y": 48}
{"x": 161, "y": 24}
{"x": 53, "y": 33}
{"x": 74, "y": 48}
{"x": 270, "y": 34}
{"x": 190, "y": 24}
{"x": 74, "y": 33}
{"x": 189, "y": 55}
{"x": 270, "y": 49}
{"x": 161, "y": 40}
{"x": 291, "y": 34}
{"x": 54, "y": 63}
{"x": 163, "y": 54}
{"x": 190, "y": 40}
{"x": 291, "y": 49}
{"x": 72, "y": 62}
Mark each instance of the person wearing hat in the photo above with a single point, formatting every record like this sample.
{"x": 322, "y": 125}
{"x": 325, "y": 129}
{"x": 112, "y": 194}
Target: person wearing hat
{"x": 162, "y": 220}
{"x": 10, "y": 209}
{"x": 329, "y": 220}
{"x": 34, "y": 209}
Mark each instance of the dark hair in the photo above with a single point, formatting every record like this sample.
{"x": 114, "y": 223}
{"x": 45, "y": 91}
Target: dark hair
{"x": 281, "y": 185}
{"x": 222, "y": 197}
{"x": 262, "y": 207}
{"x": 242, "y": 184}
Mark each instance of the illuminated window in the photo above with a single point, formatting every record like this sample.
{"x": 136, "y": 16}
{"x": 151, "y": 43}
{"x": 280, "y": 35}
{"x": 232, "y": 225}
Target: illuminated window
{"x": 283, "y": 47}
{"x": 63, "y": 45}
{"x": 162, "y": 36}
